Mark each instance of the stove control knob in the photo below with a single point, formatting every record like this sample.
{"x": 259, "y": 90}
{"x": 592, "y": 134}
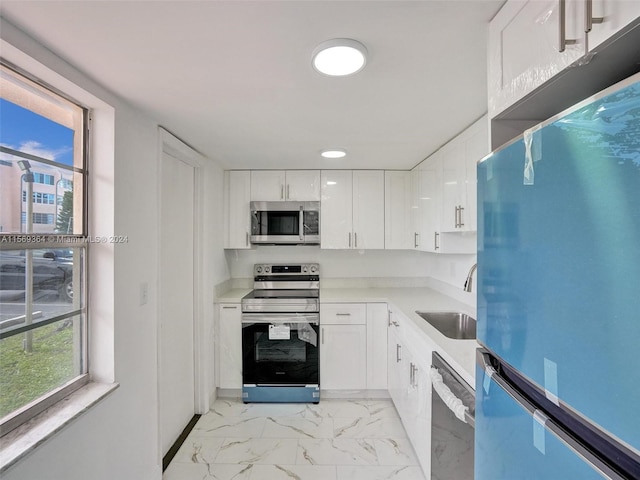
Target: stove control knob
{"x": 314, "y": 269}
{"x": 258, "y": 269}
{"x": 304, "y": 269}
{"x": 267, "y": 269}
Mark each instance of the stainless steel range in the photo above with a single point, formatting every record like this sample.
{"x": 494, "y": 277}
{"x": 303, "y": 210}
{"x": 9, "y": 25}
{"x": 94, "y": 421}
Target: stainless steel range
{"x": 280, "y": 333}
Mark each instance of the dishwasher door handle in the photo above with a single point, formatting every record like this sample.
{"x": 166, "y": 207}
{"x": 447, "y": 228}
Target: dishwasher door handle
{"x": 450, "y": 400}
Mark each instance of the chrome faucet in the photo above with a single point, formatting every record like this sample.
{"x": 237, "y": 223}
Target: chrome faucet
{"x": 469, "y": 282}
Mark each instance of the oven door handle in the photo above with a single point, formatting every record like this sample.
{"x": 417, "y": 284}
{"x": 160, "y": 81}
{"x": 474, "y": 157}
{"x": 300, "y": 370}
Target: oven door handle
{"x": 262, "y": 318}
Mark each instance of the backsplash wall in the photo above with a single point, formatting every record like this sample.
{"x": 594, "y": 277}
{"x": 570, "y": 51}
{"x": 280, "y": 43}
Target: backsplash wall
{"x": 389, "y": 264}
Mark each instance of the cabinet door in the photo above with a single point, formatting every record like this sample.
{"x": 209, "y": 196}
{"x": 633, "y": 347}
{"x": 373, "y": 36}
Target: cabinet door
{"x": 368, "y": 209}
{"x": 229, "y": 346}
{"x": 426, "y": 205}
{"x": 452, "y": 186}
{"x": 524, "y": 47}
{"x": 343, "y": 357}
{"x": 420, "y": 394}
{"x": 397, "y": 210}
{"x": 616, "y": 15}
{"x": 268, "y": 185}
{"x": 303, "y": 185}
{"x": 395, "y": 367}
{"x": 237, "y": 213}
{"x": 336, "y": 209}
{"x": 377, "y": 324}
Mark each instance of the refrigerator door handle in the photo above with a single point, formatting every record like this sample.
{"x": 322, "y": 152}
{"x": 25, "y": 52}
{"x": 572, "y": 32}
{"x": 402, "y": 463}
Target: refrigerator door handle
{"x": 483, "y": 361}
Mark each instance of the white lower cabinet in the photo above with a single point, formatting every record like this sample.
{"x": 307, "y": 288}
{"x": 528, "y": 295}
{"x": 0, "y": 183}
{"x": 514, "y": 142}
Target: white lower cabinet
{"x": 343, "y": 357}
{"x": 377, "y": 319}
{"x": 343, "y": 346}
{"x": 229, "y": 346}
{"x": 410, "y": 387}
{"x": 353, "y": 346}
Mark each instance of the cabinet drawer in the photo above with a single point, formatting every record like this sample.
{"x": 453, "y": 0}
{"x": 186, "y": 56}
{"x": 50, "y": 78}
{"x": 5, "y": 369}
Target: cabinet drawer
{"x": 343, "y": 313}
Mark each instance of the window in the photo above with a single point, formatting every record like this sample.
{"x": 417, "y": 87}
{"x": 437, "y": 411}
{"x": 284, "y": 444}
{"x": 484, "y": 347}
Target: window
{"x": 43, "y": 178}
{"x": 46, "y": 198}
{"x": 43, "y": 247}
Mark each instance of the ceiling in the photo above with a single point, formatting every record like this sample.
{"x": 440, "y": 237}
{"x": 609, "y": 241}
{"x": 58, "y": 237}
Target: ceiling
{"x": 234, "y": 78}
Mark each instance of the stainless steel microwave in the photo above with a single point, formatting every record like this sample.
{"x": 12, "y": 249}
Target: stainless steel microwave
{"x": 285, "y": 223}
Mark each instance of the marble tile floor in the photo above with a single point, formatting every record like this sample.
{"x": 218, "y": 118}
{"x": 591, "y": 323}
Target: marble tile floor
{"x": 333, "y": 440}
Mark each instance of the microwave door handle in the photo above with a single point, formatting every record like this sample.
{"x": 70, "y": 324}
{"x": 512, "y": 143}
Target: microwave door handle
{"x": 301, "y": 220}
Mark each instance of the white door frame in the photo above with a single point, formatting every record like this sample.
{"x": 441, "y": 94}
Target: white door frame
{"x": 171, "y": 145}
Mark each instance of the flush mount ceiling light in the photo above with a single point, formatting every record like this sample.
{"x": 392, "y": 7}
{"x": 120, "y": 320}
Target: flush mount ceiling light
{"x": 339, "y": 57}
{"x": 335, "y": 153}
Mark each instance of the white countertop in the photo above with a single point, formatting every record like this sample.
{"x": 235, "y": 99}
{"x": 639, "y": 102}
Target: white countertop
{"x": 460, "y": 354}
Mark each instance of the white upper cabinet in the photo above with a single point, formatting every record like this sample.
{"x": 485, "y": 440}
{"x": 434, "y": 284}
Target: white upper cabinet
{"x": 531, "y": 41}
{"x": 397, "y": 210}
{"x": 352, "y": 209}
{"x": 268, "y": 185}
{"x": 454, "y": 197}
{"x": 425, "y": 204}
{"x": 336, "y": 219}
{"x": 368, "y": 209}
{"x": 294, "y": 185}
{"x": 237, "y": 220}
{"x": 614, "y": 15}
{"x": 444, "y": 190}
{"x": 303, "y": 185}
{"x": 459, "y": 178}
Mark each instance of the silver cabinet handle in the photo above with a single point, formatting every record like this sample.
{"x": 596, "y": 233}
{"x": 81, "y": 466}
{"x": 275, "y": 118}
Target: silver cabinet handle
{"x": 562, "y": 27}
{"x": 589, "y": 19}
{"x": 412, "y": 375}
{"x": 349, "y": 239}
{"x": 460, "y": 210}
{"x": 436, "y": 246}
{"x": 322, "y": 340}
{"x": 281, "y": 192}
{"x": 247, "y": 239}
{"x": 288, "y": 191}
{"x": 230, "y": 307}
{"x": 456, "y": 217}
{"x": 343, "y": 314}
{"x": 398, "y": 351}
{"x": 355, "y": 239}
{"x": 415, "y": 240}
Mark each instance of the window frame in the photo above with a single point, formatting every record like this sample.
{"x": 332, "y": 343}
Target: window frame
{"x": 32, "y": 241}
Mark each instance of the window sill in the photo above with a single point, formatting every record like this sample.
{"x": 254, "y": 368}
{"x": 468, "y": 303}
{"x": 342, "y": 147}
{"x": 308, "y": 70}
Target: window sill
{"x": 18, "y": 443}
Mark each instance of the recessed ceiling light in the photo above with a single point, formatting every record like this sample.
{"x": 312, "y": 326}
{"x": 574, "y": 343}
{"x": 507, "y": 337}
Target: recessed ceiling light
{"x": 339, "y": 56}
{"x": 335, "y": 153}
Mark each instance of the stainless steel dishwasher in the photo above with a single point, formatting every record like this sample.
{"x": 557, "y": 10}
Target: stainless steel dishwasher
{"x": 452, "y": 423}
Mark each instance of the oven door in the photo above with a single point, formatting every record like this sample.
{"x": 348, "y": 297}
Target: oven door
{"x": 280, "y": 349}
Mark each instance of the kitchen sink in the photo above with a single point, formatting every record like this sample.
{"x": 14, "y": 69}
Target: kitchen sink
{"x": 451, "y": 324}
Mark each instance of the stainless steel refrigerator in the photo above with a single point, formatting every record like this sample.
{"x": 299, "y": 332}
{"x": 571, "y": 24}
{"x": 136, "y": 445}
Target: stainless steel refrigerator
{"x": 558, "y": 377}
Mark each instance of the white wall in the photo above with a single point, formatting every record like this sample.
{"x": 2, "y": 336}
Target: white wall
{"x": 118, "y": 438}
